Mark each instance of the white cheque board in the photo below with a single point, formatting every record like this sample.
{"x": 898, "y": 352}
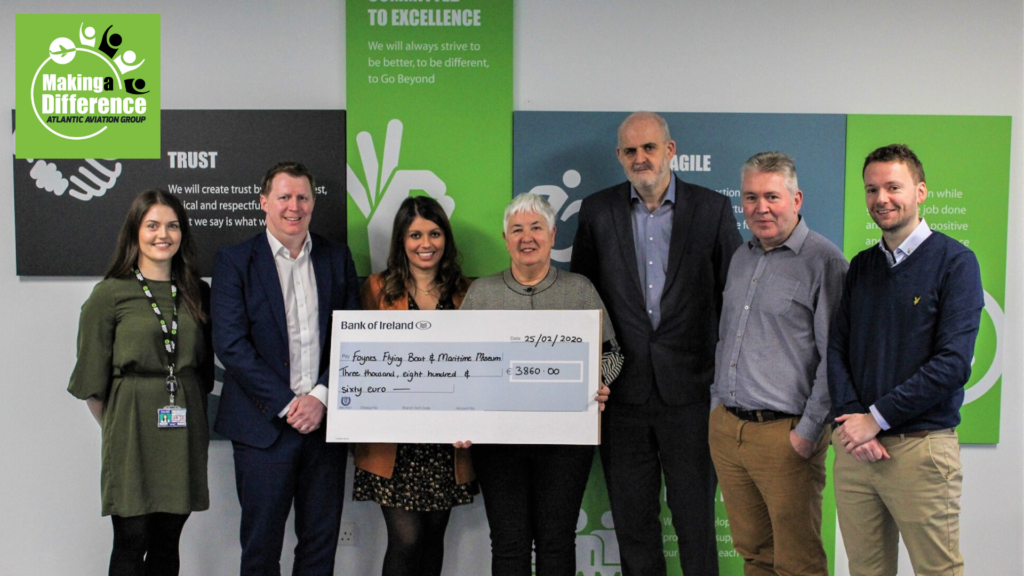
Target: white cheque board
{"x": 490, "y": 377}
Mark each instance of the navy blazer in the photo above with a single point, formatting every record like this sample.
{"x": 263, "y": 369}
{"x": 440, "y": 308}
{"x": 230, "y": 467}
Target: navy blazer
{"x": 678, "y": 357}
{"x": 250, "y": 332}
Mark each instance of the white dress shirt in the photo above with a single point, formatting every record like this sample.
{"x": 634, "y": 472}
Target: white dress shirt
{"x": 298, "y": 284}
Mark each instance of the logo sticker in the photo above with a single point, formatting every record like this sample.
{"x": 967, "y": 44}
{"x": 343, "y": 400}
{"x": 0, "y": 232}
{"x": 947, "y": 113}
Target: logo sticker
{"x": 597, "y": 550}
{"x": 995, "y": 369}
{"x": 383, "y": 187}
{"x": 98, "y": 178}
{"x": 88, "y": 86}
{"x": 557, "y": 197}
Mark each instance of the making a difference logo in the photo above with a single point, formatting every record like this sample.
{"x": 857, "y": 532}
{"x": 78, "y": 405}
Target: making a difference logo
{"x": 88, "y": 86}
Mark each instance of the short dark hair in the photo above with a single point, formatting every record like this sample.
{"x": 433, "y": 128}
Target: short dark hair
{"x": 897, "y": 153}
{"x": 290, "y": 168}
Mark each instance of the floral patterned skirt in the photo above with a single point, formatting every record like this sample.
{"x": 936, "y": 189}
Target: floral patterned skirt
{"x": 423, "y": 481}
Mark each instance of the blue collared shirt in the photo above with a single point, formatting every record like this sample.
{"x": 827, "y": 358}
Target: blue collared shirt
{"x": 651, "y": 234}
{"x": 773, "y": 338}
{"x": 918, "y": 236}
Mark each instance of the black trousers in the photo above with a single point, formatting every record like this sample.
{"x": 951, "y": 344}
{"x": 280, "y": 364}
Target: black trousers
{"x": 146, "y": 545}
{"x": 639, "y": 444}
{"x": 532, "y": 495}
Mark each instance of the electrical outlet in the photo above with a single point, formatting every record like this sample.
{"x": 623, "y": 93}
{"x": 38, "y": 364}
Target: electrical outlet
{"x": 347, "y": 535}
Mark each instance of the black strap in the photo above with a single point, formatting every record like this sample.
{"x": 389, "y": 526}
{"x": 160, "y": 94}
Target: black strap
{"x": 170, "y": 332}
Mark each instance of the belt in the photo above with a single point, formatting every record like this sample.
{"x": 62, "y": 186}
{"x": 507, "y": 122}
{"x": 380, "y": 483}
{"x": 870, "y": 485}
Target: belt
{"x": 758, "y": 415}
{"x": 914, "y": 434}
{"x": 119, "y": 373}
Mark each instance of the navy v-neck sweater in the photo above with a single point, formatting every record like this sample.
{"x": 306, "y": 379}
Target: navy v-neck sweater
{"x": 903, "y": 338}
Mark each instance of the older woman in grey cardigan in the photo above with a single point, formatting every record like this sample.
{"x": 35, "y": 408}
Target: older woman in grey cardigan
{"x": 532, "y": 493}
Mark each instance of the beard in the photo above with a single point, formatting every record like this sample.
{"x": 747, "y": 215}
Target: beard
{"x": 647, "y": 179}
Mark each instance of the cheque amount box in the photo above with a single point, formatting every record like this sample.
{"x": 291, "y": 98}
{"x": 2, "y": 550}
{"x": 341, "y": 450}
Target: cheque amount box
{"x": 546, "y": 371}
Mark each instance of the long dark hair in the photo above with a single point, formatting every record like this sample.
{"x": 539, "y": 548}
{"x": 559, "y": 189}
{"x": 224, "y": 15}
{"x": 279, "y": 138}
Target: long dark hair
{"x": 183, "y": 265}
{"x": 397, "y": 277}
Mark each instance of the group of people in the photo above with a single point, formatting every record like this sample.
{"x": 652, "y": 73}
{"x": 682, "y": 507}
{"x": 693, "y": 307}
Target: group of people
{"x": 724, "y": 363}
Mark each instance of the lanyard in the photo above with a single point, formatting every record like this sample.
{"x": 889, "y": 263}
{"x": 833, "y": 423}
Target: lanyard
{"x": 170, "y": 332}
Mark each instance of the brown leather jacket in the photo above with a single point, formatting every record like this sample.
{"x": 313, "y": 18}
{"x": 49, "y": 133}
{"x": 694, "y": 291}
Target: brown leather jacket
{"x": 379, "y": 458}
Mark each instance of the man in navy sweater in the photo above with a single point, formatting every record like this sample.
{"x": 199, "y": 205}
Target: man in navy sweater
{"x": 899, "y": 356}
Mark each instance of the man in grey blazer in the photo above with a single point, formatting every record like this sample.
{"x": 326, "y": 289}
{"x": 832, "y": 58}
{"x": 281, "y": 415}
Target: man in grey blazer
{"x": 658, "y": 250}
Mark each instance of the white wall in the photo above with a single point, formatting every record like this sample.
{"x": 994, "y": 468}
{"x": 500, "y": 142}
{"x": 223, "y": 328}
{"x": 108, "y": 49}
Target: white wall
{"x": 908, "y": 57}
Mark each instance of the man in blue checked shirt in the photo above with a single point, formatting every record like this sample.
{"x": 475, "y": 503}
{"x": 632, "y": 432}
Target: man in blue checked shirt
{"x": 769, "y": 430}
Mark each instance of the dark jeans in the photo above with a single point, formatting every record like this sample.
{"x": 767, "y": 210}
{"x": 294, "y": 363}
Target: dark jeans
{"x": 146, "y": 545}
{"x": 532, "y": 495}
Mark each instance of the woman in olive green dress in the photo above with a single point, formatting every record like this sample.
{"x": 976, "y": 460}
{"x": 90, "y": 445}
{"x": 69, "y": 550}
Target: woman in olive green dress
{"x": 145, "y": 368}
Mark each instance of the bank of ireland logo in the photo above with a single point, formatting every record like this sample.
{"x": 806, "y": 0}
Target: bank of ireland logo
{"x": 346, "y": 400}
{"x": 383, "y": 187}
{"x": 558, "y": 197}
{"x": 87, "y": 86}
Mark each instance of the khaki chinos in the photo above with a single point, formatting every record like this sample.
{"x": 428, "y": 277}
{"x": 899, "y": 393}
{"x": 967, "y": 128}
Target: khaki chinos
{"x": 914, "y": 494}
{"x": 772, "y": 494}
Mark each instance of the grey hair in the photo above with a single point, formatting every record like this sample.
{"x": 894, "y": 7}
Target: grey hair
{"x": 643, "y": 115}
{"x": 530, "y": 203}
{"x": 773, "y": 163}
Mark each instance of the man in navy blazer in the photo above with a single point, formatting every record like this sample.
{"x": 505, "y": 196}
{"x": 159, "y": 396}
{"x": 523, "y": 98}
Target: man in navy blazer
{"x": 271, "y": 304}
{"x": 658, "y": 249}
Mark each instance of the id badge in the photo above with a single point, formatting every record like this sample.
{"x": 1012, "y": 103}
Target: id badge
{"x": 171, "y": 417}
